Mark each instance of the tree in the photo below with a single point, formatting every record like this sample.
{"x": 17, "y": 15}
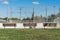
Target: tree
{"x": 5, "y": 18}
{"x": 27, "y": 18}
{"x": 51, "y": 18}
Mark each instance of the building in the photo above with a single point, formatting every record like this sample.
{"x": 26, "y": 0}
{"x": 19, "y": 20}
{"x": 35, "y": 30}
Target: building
{"x": 57, "y": 20}
{"x": 39, "y": 19}
{"x": 2, "y": 21}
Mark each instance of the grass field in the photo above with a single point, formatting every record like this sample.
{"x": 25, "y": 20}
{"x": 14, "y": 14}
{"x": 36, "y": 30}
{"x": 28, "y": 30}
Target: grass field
{"x": 29, "y": 34}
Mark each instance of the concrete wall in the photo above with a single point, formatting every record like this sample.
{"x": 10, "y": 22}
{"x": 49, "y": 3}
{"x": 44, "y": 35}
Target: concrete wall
{"x": 8, "y": 26}
{"x": 39, "y": 25}
{"x": 58, "y": 25}
{"x": 26, "y": 27}
{"x": 20, "y": 26}
{"x": 1, "y": 25}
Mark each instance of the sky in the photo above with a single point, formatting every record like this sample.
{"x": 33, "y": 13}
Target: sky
{"x": 11, "y": 8}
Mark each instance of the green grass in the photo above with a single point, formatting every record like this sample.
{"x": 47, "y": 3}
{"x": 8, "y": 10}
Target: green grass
{"x": 29, "y": 34}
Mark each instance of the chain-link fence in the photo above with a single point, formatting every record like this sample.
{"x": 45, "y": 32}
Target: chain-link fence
{"x": 30, "y": 14}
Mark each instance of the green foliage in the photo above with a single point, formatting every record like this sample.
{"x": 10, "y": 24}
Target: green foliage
{"x": 27, "y": 18}
{"x": 51, "y": 18}
{"x": 29, "y": 34}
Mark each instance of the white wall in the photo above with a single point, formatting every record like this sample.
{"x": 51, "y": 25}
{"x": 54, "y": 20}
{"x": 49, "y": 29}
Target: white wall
{"x": 1, "y": 25}
{"x": 26, "y": 27}
{"x": 58, "y": 25}
{"x": 39, "y": 25}
{"x": 19, "y": 25}
{"x": 9, "y": 27}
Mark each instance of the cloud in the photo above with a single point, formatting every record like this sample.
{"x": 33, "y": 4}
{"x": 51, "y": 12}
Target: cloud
{"x": 5, "y": 2}
{"x": 35, "y": 2}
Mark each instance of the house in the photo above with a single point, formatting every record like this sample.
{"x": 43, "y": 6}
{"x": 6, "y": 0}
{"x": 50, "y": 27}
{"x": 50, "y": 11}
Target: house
{"x": 57, "y": 20}
{"x": 36, "y": 19}
{"x": 39, "y": 19}
{"x": 2, "y": 21}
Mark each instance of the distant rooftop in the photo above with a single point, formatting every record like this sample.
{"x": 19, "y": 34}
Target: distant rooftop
{"x": 57, "y": 20}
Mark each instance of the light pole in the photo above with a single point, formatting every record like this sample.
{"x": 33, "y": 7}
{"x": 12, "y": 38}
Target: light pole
{"x": 46, "y": 14}
{"x": 20, "y": 14}
{"x": 54, "y": 8}
{"x": 5, "y": 2}
{"x": 11, "y": 12}
{"x": 33, "y": 15}
{"x": 59, "y": 9}
{"x": 34, "y": 3}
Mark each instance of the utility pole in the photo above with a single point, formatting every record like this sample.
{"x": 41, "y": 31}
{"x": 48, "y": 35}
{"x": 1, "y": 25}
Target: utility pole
{"x": 5, "y": 2}
{"x": 33, "y": 15}
{"x": 46, "y": 15}
{"x": 54, "y": 9}
{"x": 33, "y": 9}
{"x": 7, "y": 14}
{"x": 11, "y": 14}
{"x": 20, "y": 14}
{"x": 10, "y": 11}
{"x": 59, "y": 9}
